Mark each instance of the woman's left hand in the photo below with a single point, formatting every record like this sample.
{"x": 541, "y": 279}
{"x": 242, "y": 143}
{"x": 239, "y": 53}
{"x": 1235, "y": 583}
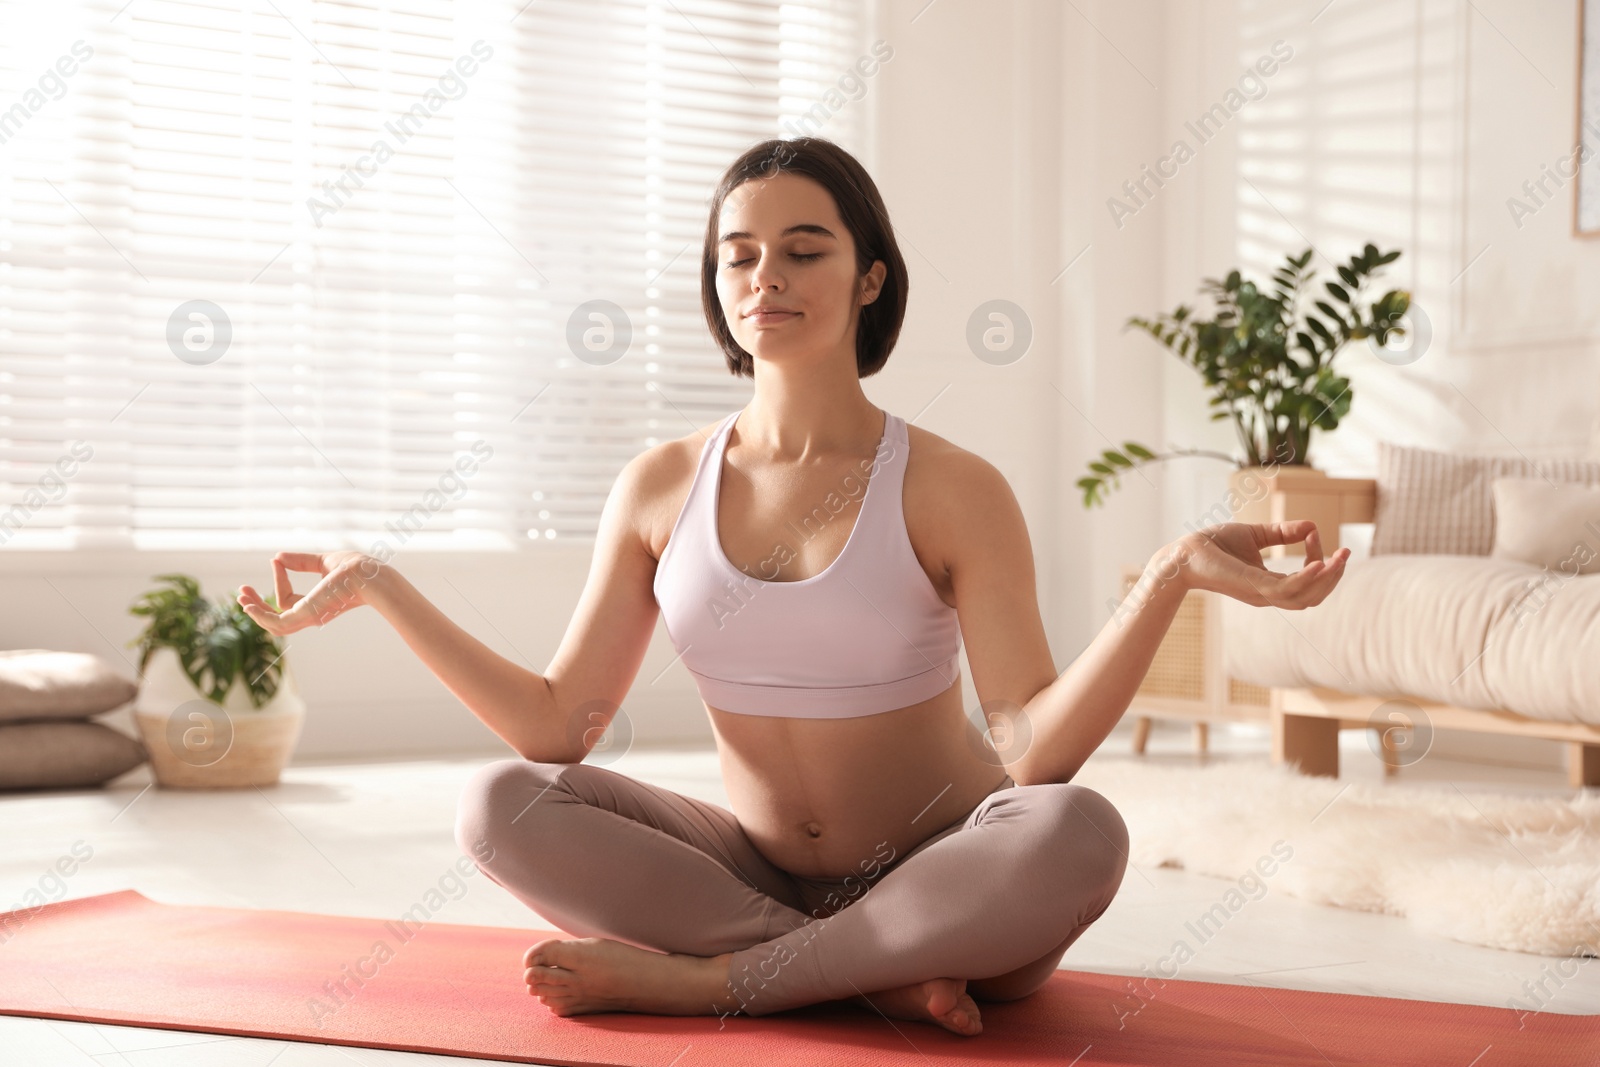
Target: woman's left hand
{"x": 1226, "y": 558}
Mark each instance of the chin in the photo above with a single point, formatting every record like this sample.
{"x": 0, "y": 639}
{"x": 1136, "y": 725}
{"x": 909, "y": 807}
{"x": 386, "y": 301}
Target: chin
{"x": 772, "y": 346}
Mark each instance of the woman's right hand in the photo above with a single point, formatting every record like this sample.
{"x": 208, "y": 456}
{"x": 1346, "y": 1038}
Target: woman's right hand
{"x": 344, "y": 576}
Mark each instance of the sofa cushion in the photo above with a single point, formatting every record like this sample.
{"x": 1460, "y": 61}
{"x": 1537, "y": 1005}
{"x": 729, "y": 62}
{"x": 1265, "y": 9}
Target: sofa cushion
{"x": 35, "y": 684}
{"x": 1555, "y": 526}
{"x": 1475, "y": 632}
{"x": 1443, "y": 502}
{"x": 64, "y": 755}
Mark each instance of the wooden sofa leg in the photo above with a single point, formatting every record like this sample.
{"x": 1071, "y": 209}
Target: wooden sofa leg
{"x": 1141, "y": 734}
{"x": 1389, "y": 745}
{"x": 1309, "y": 740}
{"x": 1202, "y": 738}
{"x": 1583, "y": 765}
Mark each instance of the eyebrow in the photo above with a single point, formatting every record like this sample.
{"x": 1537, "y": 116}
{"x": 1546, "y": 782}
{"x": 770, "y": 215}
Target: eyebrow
{"x": 804, "y": 227}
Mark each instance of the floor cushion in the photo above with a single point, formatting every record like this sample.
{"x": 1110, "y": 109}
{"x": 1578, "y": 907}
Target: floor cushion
{"x": 36, "y": 684}
{"x": 64, "y": 755}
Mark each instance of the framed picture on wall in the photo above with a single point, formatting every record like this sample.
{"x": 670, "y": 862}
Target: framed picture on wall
{"x": 1586, "y": 190}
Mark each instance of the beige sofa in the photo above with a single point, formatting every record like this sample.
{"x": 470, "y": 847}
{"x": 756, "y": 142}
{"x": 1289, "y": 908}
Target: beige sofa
{"x": 1412, "y": 641}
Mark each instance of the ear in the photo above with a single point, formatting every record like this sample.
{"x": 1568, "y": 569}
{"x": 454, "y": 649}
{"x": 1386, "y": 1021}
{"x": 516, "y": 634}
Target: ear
{"x": 872, "y": 282}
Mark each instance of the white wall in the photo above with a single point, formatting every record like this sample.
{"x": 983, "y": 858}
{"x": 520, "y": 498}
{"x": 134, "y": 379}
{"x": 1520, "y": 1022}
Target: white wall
{"x": 1000, "y": 125}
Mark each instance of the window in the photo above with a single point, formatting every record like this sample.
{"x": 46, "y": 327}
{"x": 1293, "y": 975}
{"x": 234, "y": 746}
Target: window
{"x": 292, "y": 273}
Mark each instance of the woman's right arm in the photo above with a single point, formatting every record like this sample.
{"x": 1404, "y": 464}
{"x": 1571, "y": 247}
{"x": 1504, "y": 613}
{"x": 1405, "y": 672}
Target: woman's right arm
{"x": 556, "y": 717}
{"x": 513, "y": 701}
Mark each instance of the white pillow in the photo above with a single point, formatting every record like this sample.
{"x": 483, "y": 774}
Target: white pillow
{"x": 1548, "y": 525}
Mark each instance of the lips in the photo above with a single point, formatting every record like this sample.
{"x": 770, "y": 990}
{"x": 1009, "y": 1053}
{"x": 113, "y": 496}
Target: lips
{"x": 771, "y": 315}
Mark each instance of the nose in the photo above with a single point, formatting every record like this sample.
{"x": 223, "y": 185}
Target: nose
{"x": 766, "y": 277}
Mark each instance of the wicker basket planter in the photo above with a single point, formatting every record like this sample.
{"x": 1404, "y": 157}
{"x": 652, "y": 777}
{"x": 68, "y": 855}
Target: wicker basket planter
{"x": 196, "y": 744}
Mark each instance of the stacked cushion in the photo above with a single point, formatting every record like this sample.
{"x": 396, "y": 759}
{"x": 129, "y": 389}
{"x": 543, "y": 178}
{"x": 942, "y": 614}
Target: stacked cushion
{"x": 46, "y": 738}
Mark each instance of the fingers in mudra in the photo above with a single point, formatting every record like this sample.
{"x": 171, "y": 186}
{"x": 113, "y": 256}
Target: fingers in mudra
{"x": 343, "y": 575}
{"x": 1226, "y": 558}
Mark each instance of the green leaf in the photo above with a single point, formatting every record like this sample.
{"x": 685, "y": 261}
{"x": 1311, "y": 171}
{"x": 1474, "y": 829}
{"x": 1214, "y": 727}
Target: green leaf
{"x": 1101, "y": 468}
{"x": 216, "y": 643}
{"x": 1348, "y": 276}
{"x": 1329, "y": 310}
{"x": 1137, "y": 450}
{"x": 1338, "y": 291}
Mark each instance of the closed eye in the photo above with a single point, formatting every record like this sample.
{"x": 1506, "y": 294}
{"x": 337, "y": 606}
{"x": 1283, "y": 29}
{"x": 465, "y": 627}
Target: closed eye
{"x": 797, "y": 255}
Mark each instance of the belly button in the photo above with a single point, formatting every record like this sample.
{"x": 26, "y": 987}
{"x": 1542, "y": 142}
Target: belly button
{"x": 813, "y": 829}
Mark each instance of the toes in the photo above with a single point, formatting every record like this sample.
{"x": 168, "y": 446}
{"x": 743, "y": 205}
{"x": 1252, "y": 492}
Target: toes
{"x": 547, "y": 977}
{"x": 562, "y": 1006}
{"x": 966, "y": 1007}
{"x": 541, "y": 952}
{"x": 963, "y": 1021}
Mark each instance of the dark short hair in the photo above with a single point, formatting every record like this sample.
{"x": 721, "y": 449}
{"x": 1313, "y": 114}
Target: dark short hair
{"x": 860, "y": 207}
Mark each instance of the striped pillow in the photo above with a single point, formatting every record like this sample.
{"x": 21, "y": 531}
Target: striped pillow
{"x": 1442, "y": 503}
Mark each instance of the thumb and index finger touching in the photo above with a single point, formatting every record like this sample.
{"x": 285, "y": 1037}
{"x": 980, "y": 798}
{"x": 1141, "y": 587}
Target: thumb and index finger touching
{"x": 1294, "y": 532}
{"x": 283, "y": 618}
{"x": 1315, "y": 569}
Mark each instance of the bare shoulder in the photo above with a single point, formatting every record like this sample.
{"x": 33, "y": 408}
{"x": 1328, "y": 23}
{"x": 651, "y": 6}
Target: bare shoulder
{"x": 658, "y": 484}
{"x": 955, "y": 502}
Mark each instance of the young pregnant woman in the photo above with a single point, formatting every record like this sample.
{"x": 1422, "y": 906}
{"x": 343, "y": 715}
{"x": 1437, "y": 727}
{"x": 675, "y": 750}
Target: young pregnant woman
{"x": 818, "y": 563}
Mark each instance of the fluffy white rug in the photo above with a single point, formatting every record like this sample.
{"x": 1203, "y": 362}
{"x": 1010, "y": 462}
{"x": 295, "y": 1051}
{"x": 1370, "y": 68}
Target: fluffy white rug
{"x": 1507, "y": 871}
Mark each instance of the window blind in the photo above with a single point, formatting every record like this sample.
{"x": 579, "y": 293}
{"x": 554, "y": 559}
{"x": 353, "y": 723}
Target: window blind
{"x": 292, "y": 273}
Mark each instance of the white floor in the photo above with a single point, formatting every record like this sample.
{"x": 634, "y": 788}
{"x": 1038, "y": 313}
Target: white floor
{"x": 370, "y": 839}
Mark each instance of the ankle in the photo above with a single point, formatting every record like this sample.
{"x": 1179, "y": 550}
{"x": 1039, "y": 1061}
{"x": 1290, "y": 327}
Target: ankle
{"x": 725, "y": 998}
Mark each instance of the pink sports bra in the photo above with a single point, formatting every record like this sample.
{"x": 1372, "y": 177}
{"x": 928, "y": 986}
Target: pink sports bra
{"x": 868, "y": 634}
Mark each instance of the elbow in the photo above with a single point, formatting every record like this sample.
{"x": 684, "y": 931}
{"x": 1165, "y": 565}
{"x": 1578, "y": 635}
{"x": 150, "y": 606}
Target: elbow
{"x": 551, "y": 733}
{"x": 1024, "y": 772}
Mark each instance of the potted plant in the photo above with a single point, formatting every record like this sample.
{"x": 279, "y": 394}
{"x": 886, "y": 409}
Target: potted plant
{"x": 217, "y": 706}
{"x": 1268, "y": 363}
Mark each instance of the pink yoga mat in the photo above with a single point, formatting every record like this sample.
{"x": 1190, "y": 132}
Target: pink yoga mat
{"x": 457, "y": 990}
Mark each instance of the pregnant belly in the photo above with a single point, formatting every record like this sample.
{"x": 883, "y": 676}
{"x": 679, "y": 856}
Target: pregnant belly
{"x": 828, "y": 798}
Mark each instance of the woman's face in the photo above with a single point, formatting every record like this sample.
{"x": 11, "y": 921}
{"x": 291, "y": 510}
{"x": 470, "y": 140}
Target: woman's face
{"x": 783, "y": 246}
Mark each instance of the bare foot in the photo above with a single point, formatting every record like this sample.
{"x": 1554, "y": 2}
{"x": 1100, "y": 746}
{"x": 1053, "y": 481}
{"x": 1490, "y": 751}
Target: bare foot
{"x": 938, "y": 1000}
{"x": 590, "y": 974}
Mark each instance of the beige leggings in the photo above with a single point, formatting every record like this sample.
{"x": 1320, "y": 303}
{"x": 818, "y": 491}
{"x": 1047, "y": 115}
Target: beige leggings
{"x": 996, "y": 897}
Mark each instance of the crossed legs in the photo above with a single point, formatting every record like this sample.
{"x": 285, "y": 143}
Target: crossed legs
{"x": 995, "y": 899}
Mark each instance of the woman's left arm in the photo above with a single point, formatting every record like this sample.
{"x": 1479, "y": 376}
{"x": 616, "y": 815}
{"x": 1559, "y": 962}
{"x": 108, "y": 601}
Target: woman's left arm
{"x": 1073, "y": 715}
{"x": 1062, "y": 721}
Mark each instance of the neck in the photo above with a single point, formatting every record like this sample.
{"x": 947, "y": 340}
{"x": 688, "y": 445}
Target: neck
{"x": 798, "y": 421}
